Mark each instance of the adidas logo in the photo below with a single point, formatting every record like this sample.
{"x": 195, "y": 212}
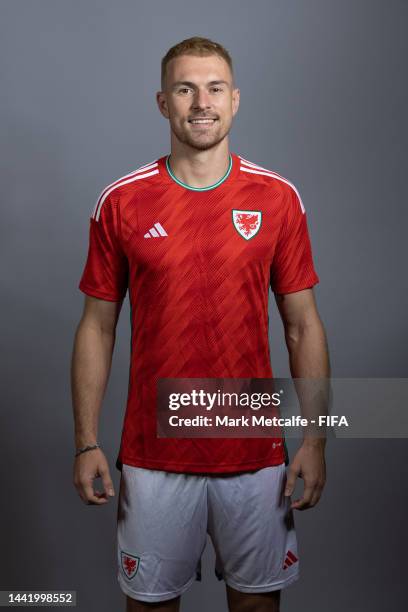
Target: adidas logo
{"x": 156, "y": 231}
{"x": 290, "y": 559}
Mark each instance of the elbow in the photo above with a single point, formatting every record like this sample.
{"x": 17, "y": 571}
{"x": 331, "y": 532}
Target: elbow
{"x": 296, "y": 332}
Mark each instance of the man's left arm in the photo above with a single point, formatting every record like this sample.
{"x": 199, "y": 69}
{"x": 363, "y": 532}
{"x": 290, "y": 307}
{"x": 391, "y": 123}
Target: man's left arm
{"x": 308, "y": 359}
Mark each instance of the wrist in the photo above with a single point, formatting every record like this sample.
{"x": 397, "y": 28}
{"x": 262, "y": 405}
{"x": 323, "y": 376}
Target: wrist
{"x": 314, "y": 442}
{"x": 85, "y": 439}
{"x": 86, "y": 448}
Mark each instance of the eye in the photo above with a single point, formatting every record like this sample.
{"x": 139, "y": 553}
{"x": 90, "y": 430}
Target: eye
{"x": 182, "y": 89}
{"x": 217, "y": 89}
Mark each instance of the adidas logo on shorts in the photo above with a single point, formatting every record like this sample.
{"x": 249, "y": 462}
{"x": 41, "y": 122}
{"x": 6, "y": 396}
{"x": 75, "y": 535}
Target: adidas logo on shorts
{"x": 290, "y": 559}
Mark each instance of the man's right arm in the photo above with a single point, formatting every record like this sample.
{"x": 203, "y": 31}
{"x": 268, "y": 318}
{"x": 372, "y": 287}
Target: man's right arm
{"x": 90, "y": 367}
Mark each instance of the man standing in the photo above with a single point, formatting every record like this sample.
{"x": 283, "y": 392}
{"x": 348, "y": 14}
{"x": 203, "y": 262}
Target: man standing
{"x": 198, "y": 237}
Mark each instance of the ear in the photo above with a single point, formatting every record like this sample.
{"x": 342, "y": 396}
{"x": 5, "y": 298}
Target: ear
{"x": 161, "y": 100}
{"x": 235, "y": 100}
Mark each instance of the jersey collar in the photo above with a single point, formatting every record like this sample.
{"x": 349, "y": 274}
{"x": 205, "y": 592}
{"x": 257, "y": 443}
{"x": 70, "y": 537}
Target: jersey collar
{"x": 164, "y": 165}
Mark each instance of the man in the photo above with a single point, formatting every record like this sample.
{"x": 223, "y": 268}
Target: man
{"x": 197, "y": 237}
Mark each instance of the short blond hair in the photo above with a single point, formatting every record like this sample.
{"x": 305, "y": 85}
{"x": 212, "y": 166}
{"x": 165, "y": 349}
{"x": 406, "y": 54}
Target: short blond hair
{"x": 196, "y": 45}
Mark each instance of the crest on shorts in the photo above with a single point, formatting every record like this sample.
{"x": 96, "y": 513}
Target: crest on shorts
{"x": 130, "y": 564}
{"x": 247, "y": 222}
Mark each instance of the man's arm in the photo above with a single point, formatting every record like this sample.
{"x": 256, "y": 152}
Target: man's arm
{"x": 90, "y": 367}
{"x": 308, "y": 358}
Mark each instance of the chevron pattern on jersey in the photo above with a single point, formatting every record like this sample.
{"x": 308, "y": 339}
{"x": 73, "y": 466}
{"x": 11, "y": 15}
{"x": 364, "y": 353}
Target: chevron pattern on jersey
{"x": 199, "y": 291}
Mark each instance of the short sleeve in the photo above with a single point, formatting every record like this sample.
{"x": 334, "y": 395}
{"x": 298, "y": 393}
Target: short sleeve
{"x": 105, "y": 274}
{"x": 292, "y": 267}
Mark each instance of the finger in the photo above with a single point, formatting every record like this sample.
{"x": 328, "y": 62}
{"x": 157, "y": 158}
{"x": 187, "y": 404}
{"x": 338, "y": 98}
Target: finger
{"x": 80, "y": 491}
{"x": 305, "y": 500}
{"x": 316, "y": 496}
{"x": 107, "y": 482}
{"x": 291, "y": 481}
{"x": 100, "y": 494}
{"x": 83, "y": 496}
{"x": 299, "y": 504}
{"x": 90, "y": 495}
{"x": 95, "y": 501}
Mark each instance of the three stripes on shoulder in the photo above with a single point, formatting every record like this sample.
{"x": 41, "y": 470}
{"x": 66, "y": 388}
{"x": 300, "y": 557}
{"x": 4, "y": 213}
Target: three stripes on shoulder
{"x": 152, "y": 168}
{"x": 141, "y": 173}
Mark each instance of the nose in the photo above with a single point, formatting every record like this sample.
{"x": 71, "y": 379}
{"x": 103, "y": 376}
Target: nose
{"x": 201, "y": 99}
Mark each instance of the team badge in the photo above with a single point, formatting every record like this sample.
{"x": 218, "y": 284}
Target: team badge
{"x": 130, "y": 564}
{"x": 247, "y": 222}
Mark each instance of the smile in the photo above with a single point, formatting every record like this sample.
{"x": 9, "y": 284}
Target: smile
{"x": 202, "y": 121}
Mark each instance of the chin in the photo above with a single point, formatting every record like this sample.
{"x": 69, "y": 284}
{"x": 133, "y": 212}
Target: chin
{"x": 203, "y": 144}
{"x": 199, "y": 145}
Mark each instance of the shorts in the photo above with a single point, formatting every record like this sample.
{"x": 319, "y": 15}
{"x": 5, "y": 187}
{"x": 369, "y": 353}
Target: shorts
{"x": 164, "y": 517}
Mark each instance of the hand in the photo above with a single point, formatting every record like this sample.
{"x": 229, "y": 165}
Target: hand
{"x": 90, "y": 465}
{"x": 309, "y": 464}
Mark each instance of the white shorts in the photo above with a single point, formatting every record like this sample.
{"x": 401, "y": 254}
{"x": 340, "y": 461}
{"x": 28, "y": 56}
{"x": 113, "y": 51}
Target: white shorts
{"x": 163, "y": 521}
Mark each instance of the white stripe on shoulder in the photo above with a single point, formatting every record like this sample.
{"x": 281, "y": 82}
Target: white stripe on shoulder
{"x": 140, "y": 173}
{"x": 247, "y": 166}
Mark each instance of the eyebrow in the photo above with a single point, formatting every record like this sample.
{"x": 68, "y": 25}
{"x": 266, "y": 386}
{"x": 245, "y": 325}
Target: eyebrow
{"x": 190, "y": 84}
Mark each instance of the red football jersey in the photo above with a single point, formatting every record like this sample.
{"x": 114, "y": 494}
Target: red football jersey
{"x": 198, "y": 264}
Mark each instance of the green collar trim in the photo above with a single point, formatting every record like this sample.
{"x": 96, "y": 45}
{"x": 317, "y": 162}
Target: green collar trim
{"x": 222, "y": 179}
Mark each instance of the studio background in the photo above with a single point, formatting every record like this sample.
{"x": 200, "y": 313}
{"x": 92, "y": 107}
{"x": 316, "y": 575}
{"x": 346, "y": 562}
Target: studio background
{"x": 323, "y": 102}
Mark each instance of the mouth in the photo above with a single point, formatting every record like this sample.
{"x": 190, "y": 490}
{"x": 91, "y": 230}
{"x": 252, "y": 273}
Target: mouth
{"x": 204, "y": 121}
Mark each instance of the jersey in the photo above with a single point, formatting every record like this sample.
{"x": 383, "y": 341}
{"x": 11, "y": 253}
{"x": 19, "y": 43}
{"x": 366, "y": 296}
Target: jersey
{"x": 198, "y": 264}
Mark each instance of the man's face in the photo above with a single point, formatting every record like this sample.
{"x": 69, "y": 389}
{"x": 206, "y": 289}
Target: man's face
{"x": 199, "y": 87}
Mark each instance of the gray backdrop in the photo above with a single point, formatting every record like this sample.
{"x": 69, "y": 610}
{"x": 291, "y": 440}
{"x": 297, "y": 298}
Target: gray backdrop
{"x": 323, "y": 102}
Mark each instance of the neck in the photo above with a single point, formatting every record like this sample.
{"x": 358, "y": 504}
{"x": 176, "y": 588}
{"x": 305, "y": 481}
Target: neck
{"x": 200, "y": 168}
